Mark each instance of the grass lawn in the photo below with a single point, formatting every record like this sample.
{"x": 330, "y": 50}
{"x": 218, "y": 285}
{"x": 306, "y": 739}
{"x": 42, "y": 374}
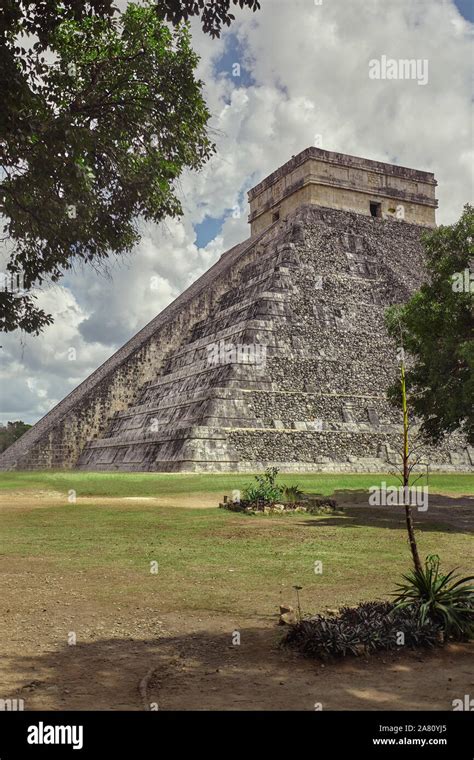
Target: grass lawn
{"x": 85, "y": 567}
{"x": 216, "y": 560}
{"x": 157, "y": 484}
{"x": 221, "y": 561}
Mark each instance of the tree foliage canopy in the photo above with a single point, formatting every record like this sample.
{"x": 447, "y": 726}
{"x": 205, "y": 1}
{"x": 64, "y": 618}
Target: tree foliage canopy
{"x": 214, "y": 13}
{"x": 101, "y": 113}
{"x": 437, "y": 329}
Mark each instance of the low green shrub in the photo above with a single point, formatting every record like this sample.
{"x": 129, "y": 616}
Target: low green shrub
{"x": 369, "y": 627}
{"x": 266, "y": 495}
{"x": 265, "y": 490}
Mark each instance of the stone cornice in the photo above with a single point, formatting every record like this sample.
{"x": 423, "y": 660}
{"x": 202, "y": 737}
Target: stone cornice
{"x": 342, "y": 160}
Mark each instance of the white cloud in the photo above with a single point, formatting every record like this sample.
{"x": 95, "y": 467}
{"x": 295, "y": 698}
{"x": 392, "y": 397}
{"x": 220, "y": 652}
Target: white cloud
{"x": 309, "y": 68}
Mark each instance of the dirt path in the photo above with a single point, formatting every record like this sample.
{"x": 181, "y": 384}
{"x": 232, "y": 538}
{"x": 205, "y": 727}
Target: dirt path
{"x": 207, "y": 672}
{"x": 21, "y": 500}
{"x": 197, "y": 667}
{"x": 130, "y": 657}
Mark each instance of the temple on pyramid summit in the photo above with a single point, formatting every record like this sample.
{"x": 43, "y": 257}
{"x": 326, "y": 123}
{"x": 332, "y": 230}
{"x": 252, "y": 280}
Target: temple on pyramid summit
{"x": 278, "y": 354}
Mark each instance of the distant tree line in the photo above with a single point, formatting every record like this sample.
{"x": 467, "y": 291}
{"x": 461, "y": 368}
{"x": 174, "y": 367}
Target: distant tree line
{"x": 10, "y": 433}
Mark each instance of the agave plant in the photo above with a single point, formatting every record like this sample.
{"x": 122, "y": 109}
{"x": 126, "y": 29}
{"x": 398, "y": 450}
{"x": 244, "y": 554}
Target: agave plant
{"x": 446, "y": 599}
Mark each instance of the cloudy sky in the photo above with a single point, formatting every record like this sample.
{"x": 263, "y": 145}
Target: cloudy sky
{"x": 303, "y": 80}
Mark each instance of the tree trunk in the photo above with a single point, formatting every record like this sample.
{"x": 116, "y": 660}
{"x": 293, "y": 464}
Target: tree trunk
{"x": 406, "y": 476}
{"x": 412, "y": 539}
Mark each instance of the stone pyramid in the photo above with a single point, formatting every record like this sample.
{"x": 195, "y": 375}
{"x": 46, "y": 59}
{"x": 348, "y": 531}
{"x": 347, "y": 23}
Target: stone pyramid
{"x": 278, "y": 355}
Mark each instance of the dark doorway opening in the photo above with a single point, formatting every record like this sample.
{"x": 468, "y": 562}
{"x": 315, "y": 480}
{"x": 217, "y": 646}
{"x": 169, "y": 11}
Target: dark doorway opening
{"x": 375, "y": 209}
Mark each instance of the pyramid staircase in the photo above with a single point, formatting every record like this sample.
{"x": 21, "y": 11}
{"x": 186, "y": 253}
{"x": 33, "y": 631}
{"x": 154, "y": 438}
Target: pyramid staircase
{"x": 181, "y": 418}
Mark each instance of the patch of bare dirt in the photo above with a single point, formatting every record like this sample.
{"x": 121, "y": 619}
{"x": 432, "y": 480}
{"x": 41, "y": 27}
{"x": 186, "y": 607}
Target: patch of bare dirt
{"x": 193, "y": 663}
{"x": 129, "y": 656}
{"x": 21, "y": 500}
{"x": 206, "y": 671}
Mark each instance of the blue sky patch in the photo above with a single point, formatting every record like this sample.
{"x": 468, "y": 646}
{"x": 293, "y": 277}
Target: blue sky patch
{"x": 466, "y": 9}
{"x": 207, "y": 230}
{"x": 234, "y": 53}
